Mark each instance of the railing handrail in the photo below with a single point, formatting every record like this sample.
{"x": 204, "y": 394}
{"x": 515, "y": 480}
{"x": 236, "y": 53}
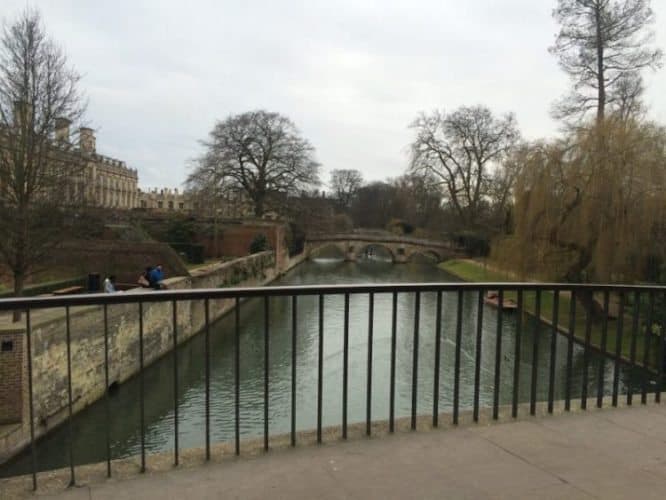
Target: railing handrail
{"x": 133, "y": 297}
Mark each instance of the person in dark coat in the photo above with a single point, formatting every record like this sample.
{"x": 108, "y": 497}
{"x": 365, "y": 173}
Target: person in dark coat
{"x": 156, "y": 277}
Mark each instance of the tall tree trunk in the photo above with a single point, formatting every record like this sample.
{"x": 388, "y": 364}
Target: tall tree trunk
{"x": 259, "y": 206}
{"x": 601, "y": 84}
{"x": 19, "y": 285}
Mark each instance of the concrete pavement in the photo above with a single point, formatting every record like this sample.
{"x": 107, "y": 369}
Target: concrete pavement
{"x": 610, "y": 453}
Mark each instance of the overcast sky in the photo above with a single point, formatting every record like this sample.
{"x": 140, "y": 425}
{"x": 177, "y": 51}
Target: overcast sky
{"x": 352, "y": 74}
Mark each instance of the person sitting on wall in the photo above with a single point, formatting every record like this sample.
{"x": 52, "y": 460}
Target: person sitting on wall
{"x": 156, "y": 278}
{"x": 110, "y": 284}
{"x": 144, "y": 278}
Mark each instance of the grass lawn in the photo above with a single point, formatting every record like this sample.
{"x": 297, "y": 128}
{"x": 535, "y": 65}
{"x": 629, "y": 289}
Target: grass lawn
{"x": 476, "y": 272}
{"x": 473, "y": 271}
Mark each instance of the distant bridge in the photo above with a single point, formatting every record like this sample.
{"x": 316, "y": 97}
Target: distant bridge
{"x": 401, "y": 248}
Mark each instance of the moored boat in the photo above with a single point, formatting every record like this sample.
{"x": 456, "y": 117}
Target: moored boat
{"x": 493, "y": 299}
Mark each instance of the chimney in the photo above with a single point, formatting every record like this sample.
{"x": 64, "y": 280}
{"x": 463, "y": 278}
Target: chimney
{"x": 62, "y": 129}
{"x": 87, "y": 140}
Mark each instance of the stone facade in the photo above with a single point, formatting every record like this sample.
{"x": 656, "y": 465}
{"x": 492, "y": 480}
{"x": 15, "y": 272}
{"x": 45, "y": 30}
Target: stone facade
{"x": 232, "y": 205}
{"x": 108, "y": 182}
{"x": 164, "y": 200}
{"x": 96, "y": 180}
{"x": 102, "y": 181}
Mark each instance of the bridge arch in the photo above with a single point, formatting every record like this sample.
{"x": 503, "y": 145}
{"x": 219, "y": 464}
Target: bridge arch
{"x": 375, "y": 251}
{"x": 424, "y": 255}
{"x": 330, "y": 250}
{"x": 350, "y": 246}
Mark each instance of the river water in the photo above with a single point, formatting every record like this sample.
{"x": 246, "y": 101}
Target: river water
{"x": 89, "y": 425}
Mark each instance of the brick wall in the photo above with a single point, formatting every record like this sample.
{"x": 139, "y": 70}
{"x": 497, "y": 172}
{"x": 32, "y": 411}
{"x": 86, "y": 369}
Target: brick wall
{"x": 125, "y": 259}
{"x": 11, "y": 376}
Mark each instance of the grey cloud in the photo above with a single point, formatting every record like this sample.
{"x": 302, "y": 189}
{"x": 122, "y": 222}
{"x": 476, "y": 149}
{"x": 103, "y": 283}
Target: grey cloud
{"x": 352, "y": 74}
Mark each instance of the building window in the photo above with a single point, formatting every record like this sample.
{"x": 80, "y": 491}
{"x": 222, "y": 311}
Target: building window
{"x": 143, "y": 204}
{"x": 160, "y": 204}
{"x": 181, "y": 205}
{"x": 171, "y": 205}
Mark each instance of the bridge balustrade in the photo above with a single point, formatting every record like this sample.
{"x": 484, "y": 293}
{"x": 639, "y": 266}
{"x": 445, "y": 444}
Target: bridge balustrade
{"x": 639, "y": 306}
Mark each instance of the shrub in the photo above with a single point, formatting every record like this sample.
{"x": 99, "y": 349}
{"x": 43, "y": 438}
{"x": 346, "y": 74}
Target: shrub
{"x": 259, "y": 243}
{"x": 399, "y": 226}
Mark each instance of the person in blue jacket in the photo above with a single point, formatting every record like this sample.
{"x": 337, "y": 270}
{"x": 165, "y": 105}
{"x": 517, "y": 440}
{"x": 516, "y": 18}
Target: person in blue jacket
{"x": 156, "y": 277}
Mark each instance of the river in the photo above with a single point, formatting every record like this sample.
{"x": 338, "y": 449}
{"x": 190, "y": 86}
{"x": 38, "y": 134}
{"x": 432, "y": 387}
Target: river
{"x": 89, "y": 425}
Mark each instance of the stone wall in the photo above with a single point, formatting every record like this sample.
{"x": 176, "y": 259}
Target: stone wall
{"x": 49, "y": 345}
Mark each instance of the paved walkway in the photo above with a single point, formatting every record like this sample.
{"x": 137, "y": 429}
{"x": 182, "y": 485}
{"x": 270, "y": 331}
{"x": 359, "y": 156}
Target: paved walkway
{"x": 612, "y": 453}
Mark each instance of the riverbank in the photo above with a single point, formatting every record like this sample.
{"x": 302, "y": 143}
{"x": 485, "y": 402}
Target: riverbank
{"x": 476, "y": 272}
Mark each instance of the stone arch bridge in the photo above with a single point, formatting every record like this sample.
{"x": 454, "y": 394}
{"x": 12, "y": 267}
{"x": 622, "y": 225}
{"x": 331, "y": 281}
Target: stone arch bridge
{"x": 401, "y": 248}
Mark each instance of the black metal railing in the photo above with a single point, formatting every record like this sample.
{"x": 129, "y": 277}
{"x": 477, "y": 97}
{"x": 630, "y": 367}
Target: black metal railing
{"x": 645, "y": 304}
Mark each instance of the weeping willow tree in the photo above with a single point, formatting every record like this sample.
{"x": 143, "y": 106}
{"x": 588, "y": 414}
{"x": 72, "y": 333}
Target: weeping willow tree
{"x": 588, "y": 210}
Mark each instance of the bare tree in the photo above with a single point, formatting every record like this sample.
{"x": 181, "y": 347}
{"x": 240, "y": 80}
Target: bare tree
{"x": 376, "y": 204}
{"x": 38, "y": 172}
{"x": 345, "y": 184}
{"x": 261, "y": 153}
{"x": 627, "y": 102}
{"x": 420, "y": 199}
{"x": 602, "y": 45}
{"x": 461, "y": 149}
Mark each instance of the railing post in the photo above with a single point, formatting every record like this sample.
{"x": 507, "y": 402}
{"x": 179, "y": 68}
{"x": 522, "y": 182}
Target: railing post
{"x": 415, "y": 360}
{"x": 618, "y": 349}
{"x": 142, "y": 418}
{"x": 586, "y": 359}
{"x": 602, "y": 358}
{"x": 553, "y": 349}
{"x": 266, "y": 367}
{"x": 237, "y": 374}
{"x": 477, "y": 355}
{"x": 174, "y": 328}
{"x": 646, "y": 348}
{"x": 662, "y": 351}
{"x": 207, "y": 373}
{"x": 438, "y": 349}
{"x": 498, "y": 356}
{"x": 345, "y": 367}
{"x": 394, "y": 319}
{"x": 535, "y": 351}
{"x": 456, "y": 368}
{"x": 70, "y": 428}
{"x": 368, "y": 404}
{"x": 320, "y": 367}
{"x": 107, "y": 402}
{"x": 516, "y": 362}
{"x": 31, "y": 405}
{"x": 294, "y": 328}
{"x": 570, "y": 345}
{"x": 634, "y": 336}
